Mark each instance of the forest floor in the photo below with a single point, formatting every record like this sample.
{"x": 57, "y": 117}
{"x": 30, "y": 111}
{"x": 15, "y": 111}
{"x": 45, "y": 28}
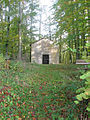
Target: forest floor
{"x": 39, "y": 92}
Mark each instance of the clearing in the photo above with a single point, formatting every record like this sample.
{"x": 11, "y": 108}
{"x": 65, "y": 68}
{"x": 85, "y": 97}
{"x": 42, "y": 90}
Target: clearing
{"x": 39, "y": 92}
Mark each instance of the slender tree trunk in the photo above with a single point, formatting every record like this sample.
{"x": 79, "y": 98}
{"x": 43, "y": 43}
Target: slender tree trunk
{"x": 88, "y": 30}
{"x": 50, "y": 29}
{"x": 8, "y": 28}
{"x": 30, "y": 52}
{"x": 20, "y": 32}
{"x": 31, "y": 39}
{"x": 1, "y": 20}
{"x": 59, "y": 53}
{"x": 40, "y": 26}
{"x": 77, "y": 38}
{"x": 70, "y": 56}
{"x": 60, "y": 50}
{"x": 77, "y": 34}
{"x": 31, "y": 31}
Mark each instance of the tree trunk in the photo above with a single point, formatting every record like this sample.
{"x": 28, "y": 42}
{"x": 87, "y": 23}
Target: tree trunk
{"x": 59, "y": 53}
{"x": 8, "y": 28}
{"x": 50, "y": 29}
{"x": 30, "y": 53}
{"x": 20, "y": 32}
{"x": 40, "y": 26}
{"x": 31, "y": 30}
{"x": 1, "y": 20}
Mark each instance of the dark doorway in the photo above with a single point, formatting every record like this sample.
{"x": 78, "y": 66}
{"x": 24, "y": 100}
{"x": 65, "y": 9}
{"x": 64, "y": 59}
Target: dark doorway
{"x": 45, "y": 59}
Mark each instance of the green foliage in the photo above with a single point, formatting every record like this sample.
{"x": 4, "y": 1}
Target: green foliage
{"x": 88, "y": 45}
{"x": 2, "y": 62}
{"x": 17, "y": 66}
{"x": 1, "y": 58}
{"x": 69, "y": 56}
{"x": 10, "y": 27}
{"x": 84, "y": 93}
{"x": 71, "y": 22}
{"x": 72, "y": 50}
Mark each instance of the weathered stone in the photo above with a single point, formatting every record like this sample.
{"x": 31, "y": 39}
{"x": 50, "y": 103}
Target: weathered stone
{"x": 45, "y": 47}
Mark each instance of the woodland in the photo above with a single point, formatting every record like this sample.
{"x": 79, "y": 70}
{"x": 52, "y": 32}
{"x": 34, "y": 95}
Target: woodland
{"x": 29, "y": 91}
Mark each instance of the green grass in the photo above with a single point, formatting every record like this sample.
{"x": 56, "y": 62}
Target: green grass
{"x": 39, "y": 92}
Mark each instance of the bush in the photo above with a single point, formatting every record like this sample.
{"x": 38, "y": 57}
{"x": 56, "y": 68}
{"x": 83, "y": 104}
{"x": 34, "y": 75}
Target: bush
{"x": 2, "y": 62}
{"x": 17, "y": 66}
{"x": 84, "y": 95}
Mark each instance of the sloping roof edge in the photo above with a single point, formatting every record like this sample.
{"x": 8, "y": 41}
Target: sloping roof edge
{"x": 40, "y": 40}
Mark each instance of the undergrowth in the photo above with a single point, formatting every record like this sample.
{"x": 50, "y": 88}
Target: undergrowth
{"x": 39, "y": 92}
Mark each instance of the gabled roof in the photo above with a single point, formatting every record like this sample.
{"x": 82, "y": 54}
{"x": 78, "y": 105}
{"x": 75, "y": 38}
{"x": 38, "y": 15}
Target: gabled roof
{"x": 40, "y": 40}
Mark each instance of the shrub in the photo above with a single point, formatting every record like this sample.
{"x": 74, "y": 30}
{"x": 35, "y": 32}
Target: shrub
{"x": 2, "y": 62}
{"x": 17, "y": 66}
{"x": 84, "y": 95}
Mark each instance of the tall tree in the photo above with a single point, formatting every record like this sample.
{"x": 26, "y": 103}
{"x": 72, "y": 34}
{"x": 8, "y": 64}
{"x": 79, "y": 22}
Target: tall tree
{"x": 33, "y": 9}
{"x": 17, "y": 26}
{"x": 70, "y": 16}
{"x": 20, "y": 30}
